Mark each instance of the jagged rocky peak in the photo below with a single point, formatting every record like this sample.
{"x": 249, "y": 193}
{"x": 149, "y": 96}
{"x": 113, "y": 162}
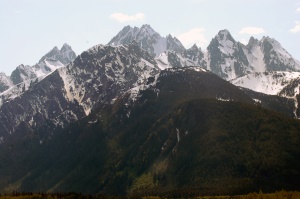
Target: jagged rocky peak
{"x": 123, "y": 54}
{"x": 224, "y": 42}
{"x": 194, "y": 48}
{"x": 252, "y": 42}
{"x": 224, "y": 35}
{"x": 269, "y": 44}
{"x": 103, "y": 72}
{"x": 65, "y": 55}
{"x": 148, "y": 30}
{"x": 174, "y": 44}
{"x": 100, "y": 74}
{"x": 192, "y": 57}
{"x": 148, "y": 39}
{"x": 276, "y": 57}
{"x": 129, "y": 34}
{"x": 21, "y": 78}
{"x": 66, "y": 47}
{"x": 226, "y": 57}
{"x": 194, "y": 53}
{"x": 22, "y": 73}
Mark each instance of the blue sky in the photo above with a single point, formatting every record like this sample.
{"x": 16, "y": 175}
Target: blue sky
{"x": 31, "y": 28}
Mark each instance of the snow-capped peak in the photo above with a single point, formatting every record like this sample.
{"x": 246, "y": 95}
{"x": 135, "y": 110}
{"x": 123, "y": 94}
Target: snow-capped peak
{"x": 226, "y": 43}
{"x": 148, "y": 39}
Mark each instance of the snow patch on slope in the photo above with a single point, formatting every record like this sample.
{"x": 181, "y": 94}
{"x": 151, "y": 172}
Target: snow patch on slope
{"x": 269, "y": 82}
{"x": 46, "y": 67}
{"x": 162, "y": 61}
{"x": 18, "y": 89}
{"x": 135, "y": 91}
{"x": 256, "y": 59}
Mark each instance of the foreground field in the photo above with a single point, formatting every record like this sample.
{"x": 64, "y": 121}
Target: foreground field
{"x": 276, "y": 195}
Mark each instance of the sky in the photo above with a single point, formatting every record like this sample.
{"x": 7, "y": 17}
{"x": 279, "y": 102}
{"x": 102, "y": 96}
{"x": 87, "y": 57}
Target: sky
{"x": 31, "y": 28}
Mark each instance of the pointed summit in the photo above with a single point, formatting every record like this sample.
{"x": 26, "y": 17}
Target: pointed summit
{"x": 226, "y": 57}
{"x": 174, "y": 44}
{"x": 55, "y": 49}
{"x": 65, "y": 47}
{"x": 147, "y": 30}
{"x": 253, "y": 40}
{"x": 276, "y": 57}
{"x": 65, "y": 55}
{"x": 225, "y": 35}
{"x": 147, "y": 38}
{"x": 146, "y": 27}
{"x": 22, "y": 73}
{"x": 252, "y": 43}
{"x": 194, "y": 48}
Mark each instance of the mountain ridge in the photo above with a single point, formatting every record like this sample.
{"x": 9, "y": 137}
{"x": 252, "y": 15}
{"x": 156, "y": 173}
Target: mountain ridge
{"x": 24, "y": 75}
{"x": 224, "y": 55}
{"x": 148, "y": 39}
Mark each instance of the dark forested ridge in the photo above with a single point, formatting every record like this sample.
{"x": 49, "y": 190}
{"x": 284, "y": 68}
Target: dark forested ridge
{"x": 199, "y": 135}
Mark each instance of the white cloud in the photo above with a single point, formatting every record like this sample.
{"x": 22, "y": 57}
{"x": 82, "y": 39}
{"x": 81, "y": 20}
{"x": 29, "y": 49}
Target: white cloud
{"x": 193, "y": 36}
{"x": 244, "y": 41}
{"x": 120, "y": 17}
{"x": 298, "y": 9}
{"x": 252, "y": 31}
{"x": 296, "y": 28}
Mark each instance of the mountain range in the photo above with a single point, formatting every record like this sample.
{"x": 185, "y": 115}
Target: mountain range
{"x": 224, "y": 56}
{"x": 24, "y": 75}
{"x": 143, "y": 115}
